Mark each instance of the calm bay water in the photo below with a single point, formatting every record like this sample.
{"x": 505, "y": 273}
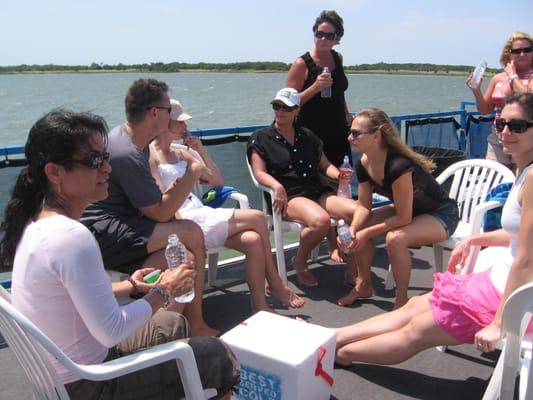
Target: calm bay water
{"x": 213, "y": 99}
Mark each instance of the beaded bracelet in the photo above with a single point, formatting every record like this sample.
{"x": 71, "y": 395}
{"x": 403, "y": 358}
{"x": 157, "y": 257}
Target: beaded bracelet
{"x": 162, "y": 292}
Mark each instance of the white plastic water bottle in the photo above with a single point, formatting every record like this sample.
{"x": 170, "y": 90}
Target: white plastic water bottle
{"x": 176, "y": 254}
{"x": 344, "y": 233}
{"x": 326, "y": 92}
{"x": 345, "y": 179}
{"x": 477, "y": 74}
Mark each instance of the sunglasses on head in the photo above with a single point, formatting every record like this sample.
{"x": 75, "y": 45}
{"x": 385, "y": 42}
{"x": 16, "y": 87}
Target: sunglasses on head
{"x": 514, "y": 125}
{"x": 94, "y": 160}
{"x": 522, "y": 50}
{"x": 284, "y": 107}
{"x": 327, "y": 35}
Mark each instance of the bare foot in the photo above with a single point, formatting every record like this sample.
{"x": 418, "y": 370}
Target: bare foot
{"x": 287, "y": 297}
{"x": 203, "y": 330}
{"x": 336, "y": 256}
{"x": 306, "y": 278}
{"x": 358, "y": 292}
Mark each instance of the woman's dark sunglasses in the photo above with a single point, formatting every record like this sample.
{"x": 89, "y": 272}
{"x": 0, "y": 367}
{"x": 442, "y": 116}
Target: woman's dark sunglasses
{"x": 522, "y": 50}
{"x": 93, "y": 160}
{"x": 284, "y": 107}
{"x": 327, "y": 35}
{"x": 356, "y": 132}
{"x": 515, "y": 125}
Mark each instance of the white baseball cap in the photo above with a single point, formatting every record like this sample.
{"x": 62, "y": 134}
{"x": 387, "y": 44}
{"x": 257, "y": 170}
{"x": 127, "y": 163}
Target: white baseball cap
{"x": 288, "y": 96}
{"x": 176, "y": 113}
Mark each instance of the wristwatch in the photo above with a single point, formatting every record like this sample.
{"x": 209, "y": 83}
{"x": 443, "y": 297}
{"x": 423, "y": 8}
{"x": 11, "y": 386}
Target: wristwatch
{"x": 511, "y": 79}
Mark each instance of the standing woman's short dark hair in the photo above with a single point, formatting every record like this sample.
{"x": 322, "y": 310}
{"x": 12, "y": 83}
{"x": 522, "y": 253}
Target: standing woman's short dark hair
{"x": 56, "y": 137}
{"x": 334, "y": 19}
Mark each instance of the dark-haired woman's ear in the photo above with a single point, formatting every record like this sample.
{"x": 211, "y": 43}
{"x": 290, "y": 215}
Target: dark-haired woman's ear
{"x": 53, "y": 173}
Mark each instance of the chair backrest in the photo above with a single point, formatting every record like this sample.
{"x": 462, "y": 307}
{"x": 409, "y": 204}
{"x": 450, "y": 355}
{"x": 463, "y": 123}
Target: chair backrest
{"x": 433, "y": 132}
{"x": 471, "y": 181}
{"x": 28, "y": 344}
{"x": 477, "y": 132}
{"x": 516, "y": 315}
{"x": 266, "y": 202}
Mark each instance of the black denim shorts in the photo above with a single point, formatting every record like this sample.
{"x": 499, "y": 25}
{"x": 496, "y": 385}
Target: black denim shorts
{"x": 448, "y": 216}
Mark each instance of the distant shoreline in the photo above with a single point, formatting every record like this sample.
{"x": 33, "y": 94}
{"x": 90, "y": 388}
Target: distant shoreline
{"x": 238, "y": 67}
{"x": 348, "y": 72}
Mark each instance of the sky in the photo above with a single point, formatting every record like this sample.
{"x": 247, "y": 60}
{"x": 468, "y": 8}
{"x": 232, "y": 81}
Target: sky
{"x": 117, "y": 31}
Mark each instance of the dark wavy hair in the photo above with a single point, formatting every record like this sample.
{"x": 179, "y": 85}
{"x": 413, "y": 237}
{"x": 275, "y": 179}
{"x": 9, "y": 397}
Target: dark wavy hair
{"x": 143, "y": 94}
{"x": 525, "y": 100}
{"x": 55, "y": 137}
{"x": 333, "y": 18}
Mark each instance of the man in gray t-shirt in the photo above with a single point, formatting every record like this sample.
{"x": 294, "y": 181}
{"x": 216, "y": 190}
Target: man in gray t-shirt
{"x": 132, "y": 225}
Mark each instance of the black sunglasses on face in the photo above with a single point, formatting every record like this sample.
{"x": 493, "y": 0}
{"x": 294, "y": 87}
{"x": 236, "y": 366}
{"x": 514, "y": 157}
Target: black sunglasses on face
{"x": 169, "y": 109}
{"x": 93, "y": 160}
{"x": 356, "y": 133}
{"x": 327, "y": 35}
{"x": 522, "y": 50}
{"x": 284, "y": 107}
{"x": 514, "y": 125}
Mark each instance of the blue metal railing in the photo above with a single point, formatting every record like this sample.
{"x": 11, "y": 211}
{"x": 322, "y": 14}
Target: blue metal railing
{"x": 462, "y": 113}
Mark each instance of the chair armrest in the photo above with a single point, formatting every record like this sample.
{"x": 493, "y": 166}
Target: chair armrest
{"x": 242, "y": 199}
{"x": 479, "y": 212}
{"x": 176, "y": 350}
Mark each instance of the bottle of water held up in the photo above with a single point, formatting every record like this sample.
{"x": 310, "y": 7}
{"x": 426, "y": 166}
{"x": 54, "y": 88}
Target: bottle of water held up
{"x": 477, "y": 74}
{"x": 345, "y": 179}
{"x": 344, "y": 233}
{"x": 176, "y": 254}
{"x": 326, "y": 92}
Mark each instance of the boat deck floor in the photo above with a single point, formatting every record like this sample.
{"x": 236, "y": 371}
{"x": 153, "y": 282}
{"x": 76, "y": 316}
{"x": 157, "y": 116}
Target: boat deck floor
{"x": 460, "y": 373}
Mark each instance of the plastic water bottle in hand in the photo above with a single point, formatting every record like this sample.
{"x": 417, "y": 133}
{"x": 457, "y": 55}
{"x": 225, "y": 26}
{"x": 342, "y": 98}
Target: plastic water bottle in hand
{"x": 345, "y": 179}
{"x": 176, "y": 254}
{"x": 344, "y": 233}
{"x": 326, "y": 92}
{"x": 477, "y": 74}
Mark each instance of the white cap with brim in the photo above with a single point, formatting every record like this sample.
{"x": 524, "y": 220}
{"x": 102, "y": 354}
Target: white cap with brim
{"x": 176, "y": 113}
{"x": 288, "y": 96}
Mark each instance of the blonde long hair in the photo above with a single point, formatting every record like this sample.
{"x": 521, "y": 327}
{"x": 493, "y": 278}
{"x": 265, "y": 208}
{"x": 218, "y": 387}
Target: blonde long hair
{"x": 506, "y": 52}
{"x": 391, "y": 138}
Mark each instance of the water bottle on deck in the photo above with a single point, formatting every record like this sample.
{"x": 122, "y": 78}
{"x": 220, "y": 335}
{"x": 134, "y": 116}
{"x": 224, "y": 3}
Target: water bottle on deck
{"x": 176, "y": 254}
{"x": 345, "y": 179}
{"x": 344, "y": 233}
{"x": 477, "y": 74}
{"x": 326, "y": 92}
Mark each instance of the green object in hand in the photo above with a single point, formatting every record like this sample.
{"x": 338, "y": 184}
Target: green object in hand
{"x": 152, "y": 277}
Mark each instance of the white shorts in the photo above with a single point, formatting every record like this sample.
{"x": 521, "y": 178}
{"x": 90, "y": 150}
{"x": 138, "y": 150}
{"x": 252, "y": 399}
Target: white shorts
{"x": 213, "y": 221}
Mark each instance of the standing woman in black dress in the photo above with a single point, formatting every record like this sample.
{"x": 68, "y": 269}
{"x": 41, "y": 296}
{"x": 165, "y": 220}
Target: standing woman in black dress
{"x": 327, "y": 117}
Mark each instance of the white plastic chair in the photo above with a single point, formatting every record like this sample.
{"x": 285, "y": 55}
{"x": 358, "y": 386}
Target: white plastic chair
{"x": 242, "y": 199}
{"x": 515, "y": 358}
{"x": 279, "y": 226}
{"x": 31, "y": 345}
{"x": 471, "y": 181}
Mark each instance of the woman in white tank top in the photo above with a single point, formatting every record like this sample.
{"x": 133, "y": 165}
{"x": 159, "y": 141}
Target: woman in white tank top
{"x": 242, "y": 230}
{"x": 462, "y": 308}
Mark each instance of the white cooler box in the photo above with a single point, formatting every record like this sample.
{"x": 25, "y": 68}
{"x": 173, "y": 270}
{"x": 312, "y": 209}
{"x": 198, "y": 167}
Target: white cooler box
{"x": 282, "y": 358}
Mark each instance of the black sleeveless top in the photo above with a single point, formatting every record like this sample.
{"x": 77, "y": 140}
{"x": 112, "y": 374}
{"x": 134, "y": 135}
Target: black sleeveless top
{"x": 326, "y": 117}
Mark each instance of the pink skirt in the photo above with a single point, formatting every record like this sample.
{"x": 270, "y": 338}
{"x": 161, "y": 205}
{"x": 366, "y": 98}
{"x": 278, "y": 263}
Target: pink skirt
{"x": 464, "y": 304}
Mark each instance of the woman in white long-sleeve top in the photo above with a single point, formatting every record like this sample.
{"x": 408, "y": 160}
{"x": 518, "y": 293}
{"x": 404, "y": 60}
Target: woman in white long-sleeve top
{"x": 59, "y": 281}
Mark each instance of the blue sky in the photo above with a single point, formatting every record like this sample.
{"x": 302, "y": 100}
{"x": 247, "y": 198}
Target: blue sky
{"x": 74, "y": 32}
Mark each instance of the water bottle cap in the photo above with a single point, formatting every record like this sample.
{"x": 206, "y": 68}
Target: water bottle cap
{"x": 346, "y": 159}
{"x": 341, "y": 222}
{"x": 173, "y": 238}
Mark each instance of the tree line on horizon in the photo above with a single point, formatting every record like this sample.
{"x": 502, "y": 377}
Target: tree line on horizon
{"x": 266, "y": 66}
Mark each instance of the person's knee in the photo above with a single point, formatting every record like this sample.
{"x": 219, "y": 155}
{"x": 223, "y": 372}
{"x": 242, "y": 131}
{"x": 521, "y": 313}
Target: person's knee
{"x": 169, "y": 326}
{"x": 320, "y": 222}
{"x": 395, "y": 240}
{"x": 251, "y": 240}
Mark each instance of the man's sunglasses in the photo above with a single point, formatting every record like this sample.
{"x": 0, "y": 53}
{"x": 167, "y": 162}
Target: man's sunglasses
{"x": 93, "y": 160}
{"x": 169, "y": 109}
{"x": 522, "y": 50}
{"x": 327, "y": 35}
{"x": 284, "y": 107}
{"x": 514, "y": 125}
